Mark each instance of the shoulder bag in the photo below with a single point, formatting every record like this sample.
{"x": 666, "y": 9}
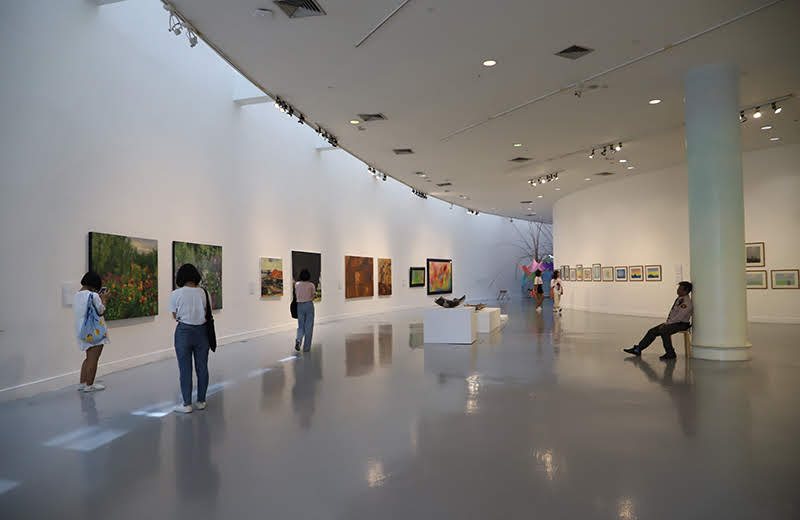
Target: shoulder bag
{"x": 211, "y": 332}
{"x": 293, "y": 305}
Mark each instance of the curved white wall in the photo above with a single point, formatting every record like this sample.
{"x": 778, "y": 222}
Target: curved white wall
{"x": 643, "y": 219}
{"x": 112, "y": 124}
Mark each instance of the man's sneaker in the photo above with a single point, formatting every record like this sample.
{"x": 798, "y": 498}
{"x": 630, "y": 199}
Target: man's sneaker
{"x": 183, "y": 408}
{"x": 633, "y": 350}
{"x": 94, "y": 388}
{"x": 668, "y": 355}
{"x": 200, "y": 405}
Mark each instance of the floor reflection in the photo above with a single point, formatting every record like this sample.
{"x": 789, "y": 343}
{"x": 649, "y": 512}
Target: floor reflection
{"x": 359, "y": 349}
{"x": 385, "y": 339}
{"x": 416, "y": 335}
{"x": 307, "y": 375}
{"x": 682, "y": 393}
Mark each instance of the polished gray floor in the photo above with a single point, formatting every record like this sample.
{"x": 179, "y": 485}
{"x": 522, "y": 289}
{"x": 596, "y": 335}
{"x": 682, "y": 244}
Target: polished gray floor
{"x": 545, "y": 419}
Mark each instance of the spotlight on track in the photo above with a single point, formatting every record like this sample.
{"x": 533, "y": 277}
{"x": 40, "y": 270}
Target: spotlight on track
{"x": 776, "y": 109}
{"x": 757, "y": 113}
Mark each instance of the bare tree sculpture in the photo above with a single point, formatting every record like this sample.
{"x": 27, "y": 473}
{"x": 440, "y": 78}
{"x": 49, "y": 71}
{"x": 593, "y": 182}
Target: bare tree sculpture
{"x": 535, "y": 241}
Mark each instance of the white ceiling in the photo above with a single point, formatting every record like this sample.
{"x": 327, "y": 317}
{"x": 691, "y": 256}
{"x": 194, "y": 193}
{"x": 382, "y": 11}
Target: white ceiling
{"x": 423, "y": 70}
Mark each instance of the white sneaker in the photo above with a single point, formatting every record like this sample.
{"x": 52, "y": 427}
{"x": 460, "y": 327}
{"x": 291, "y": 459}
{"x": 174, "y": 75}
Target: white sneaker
{"x": 200, "y": 405}
{"x": 183, "y": 408}
{"x": 81, "y": 387}
{"x": 94, "y": 388}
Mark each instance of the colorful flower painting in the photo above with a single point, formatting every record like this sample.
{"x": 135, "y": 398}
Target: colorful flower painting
{"x": 384, "y": 276}
{"x": 358, "y": 277}
{"x": 128, "y": 267}
{"x": 208, "y": 260}
{"x": 416, "y": 277}
{"x": 440, "y": 276}
{"x": 271, "y": 277}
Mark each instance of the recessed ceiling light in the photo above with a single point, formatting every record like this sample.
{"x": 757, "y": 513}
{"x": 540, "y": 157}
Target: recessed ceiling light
{"x": 774, "y": 138}
{"x": 540, "y": 196}
{"x": 489, "y": 63}
{"x": 587, "y": 179}
{"x": 654, "y": 101}
{"x": 517, "y": 145}
{"x": 630, "y": 167}
{"x": 623, "y": 160}
{"x": 766, "y": 127}
{"x": 558, "y": 189}
{"x": 354, "y": 121}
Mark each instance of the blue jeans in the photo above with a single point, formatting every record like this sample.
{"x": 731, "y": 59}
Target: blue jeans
{"x": 305, "y": 323}
{"x": 191, "y": 340}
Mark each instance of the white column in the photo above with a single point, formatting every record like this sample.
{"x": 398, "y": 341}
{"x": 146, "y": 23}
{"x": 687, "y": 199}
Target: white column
{"x": 716, "y": 214}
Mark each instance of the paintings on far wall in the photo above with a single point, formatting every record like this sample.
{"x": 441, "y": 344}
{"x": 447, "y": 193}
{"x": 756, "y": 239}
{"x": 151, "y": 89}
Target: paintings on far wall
{"x": 579, "y": 272}
{"x": 271, "y": 277}
{"x": 785, "y": 278}
{"x": 311, "y": 261}
{"x": 597, "y": 273}
{"x": 652, "y": 273}
{"x": 573, "y": 273}
{"x": 208, "y": 260}
{"x": 636, "y": 273}
{"x": 384, "y": 276}
{"x": 128, "y": 266}
{"x": 416, "y": 277}
{"x": 358, "y": 277}
{"x": 440, "y": 276}
{"x": 756, "y": 279}
{"x": 754, "y": 254}
{"x": 608, "y": 274}
{"x": 621, "y": 273}
{"x": 587, "y": 274}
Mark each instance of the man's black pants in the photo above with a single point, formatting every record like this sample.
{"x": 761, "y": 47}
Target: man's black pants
{"x": 665, "y": 330}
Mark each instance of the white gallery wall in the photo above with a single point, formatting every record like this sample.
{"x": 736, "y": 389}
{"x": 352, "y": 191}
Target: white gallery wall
{"x": 644, "y": 219}
{"x": 112, "y": 124}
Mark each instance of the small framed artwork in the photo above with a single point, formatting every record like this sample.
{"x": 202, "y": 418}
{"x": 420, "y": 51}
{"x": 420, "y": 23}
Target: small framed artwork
{"x": 785, "y": 278}
{"x": 754, "y": 254}
{"x": 620, "y": 273}
{"x": 652, "y": 273}
{"x": 597, "y": 272}
{"x": 755, "y": 279}
{"x": 636, "y": 273}
{"x": 573, "y": 275}
{"x": 416, "y": 277}
{"x": 579, "y": 272}
{"x": 608, "y": 274}
{"x": 587, "y": 274}
{"x": 564, "y": 272}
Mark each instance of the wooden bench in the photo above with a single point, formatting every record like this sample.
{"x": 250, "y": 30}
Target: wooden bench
{"x": 687, "y": 342}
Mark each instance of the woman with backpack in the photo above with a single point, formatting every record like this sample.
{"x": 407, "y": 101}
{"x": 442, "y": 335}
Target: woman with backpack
{"x": 89, "y": 305}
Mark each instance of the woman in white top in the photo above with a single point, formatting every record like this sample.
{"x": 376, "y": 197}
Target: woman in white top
{"x": 188, "y": 307}
{"x": 538, "y": 289}
{"x": 558, "y": 290}
{"x": 305, "y": 291}
{"x": 90, "y": 287}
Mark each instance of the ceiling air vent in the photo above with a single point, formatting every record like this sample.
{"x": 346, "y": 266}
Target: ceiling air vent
{"x": 526, "y": 202}
{"x": 573, "y": 52}
{"x": 604, "y": 174}
{"x": 300, "y": 8}
{"x": 520, "y": 160}
{"x": 372, "y": 117}
{"x": 443, "y": 184}
{"x": 403, "y": 151}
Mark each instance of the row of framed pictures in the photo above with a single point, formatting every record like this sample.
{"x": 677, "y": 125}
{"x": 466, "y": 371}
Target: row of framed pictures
{"x": 619, "y": 273}
{"x": 781, "y": 278}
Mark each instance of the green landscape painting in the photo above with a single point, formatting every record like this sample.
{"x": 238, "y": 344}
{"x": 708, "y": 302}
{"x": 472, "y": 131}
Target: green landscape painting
{"x": 128, "y": 267}
{"x": 208, "y": 260}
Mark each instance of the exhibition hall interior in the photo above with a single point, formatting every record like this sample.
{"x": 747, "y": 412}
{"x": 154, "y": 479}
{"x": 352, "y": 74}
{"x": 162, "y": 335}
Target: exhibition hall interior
{"x": 319, "y": 259}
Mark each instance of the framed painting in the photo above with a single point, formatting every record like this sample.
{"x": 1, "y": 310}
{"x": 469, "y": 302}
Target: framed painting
{"x": 636, "y": 273}
{"x": 754, "y": 254}
{"x": 652, "y": 273}
{"x": 587, "y": 274}
{"x": 755, "y": 279}
{"x": 621, "y": 273}
{"x": 208, "y": 260}
{"x": 358, "y": 277}
{"x": 579, "y": 272}
{"x": 597, "y": 272}
{"x": 573, "y": 274}
{"x": 271, "y": 277}
{"x": 564, "y": 272}
{"x": 311, "y": 261}
{"x": 608, "y": 274}
{"x": 384, "y": 276}
{"x": 416, "y": 277}
{"x": 785, "y": 278}
{"x": 440, "y": 276}
{"x": 128, "y": 266}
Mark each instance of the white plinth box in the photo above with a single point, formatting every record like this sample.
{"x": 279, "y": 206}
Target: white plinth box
{"x": 488, "y": 319}
{"x": 458, "y": 326}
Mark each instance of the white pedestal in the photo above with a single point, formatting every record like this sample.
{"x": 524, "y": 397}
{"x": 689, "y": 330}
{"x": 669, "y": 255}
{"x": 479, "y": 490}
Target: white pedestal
{"x": 459, "y": 325}
{"x": 488, "y": 319}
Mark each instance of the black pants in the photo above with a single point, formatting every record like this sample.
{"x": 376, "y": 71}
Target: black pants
{"x": 665, "y": 330}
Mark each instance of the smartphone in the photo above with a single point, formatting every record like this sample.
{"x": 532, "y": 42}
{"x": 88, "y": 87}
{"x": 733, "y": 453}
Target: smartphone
{"x": 103, "y": 290}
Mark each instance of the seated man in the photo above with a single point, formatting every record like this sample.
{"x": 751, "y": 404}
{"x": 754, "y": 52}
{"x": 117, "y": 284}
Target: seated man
{"x": 677, "y": 321}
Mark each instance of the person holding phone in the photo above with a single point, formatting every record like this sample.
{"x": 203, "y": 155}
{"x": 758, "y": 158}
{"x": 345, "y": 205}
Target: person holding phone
{"x": 90, "y": 289}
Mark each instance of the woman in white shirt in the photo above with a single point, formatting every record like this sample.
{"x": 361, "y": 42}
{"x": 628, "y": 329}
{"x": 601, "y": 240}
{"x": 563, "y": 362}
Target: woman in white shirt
{"x": 90, "y": 287}
{"x": 305, "y": 291}
{"x": 188, "y": 307}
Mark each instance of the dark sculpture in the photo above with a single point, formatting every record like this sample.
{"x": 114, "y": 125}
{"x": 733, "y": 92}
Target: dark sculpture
{"x": 449, "y": 304}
